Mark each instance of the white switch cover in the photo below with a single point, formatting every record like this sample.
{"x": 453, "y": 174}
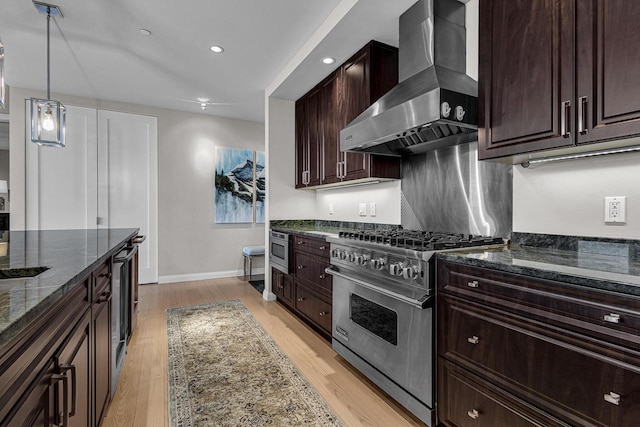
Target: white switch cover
{"x": 330, "y": 208}
{"x": 372, "y": 208}
{"x": 615, "y": 209}
{"x": 362, "y": 209}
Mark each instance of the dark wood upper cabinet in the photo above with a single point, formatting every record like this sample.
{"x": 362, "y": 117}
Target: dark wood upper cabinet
{"x": 556, "y": 74}
{"x": 608, "y": 72}
{"x": 334, "y": 102}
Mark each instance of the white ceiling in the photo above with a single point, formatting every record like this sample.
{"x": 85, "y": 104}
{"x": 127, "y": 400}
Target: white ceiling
{"x": 101, "y": 53}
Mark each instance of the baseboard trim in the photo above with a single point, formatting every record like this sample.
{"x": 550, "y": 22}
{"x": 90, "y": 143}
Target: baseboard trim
{"x": 204, "y": 276}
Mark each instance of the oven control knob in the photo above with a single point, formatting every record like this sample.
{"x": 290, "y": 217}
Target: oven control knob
{"x": 378, "y": 263}
{"x": 396, "y": 269}
{"x": 361, "y": 259}
{"x": 410, "y": 272}
{"x": 352, "y": 257}
{"x": 335, "y": 253}
{"x": 342, "y": 255}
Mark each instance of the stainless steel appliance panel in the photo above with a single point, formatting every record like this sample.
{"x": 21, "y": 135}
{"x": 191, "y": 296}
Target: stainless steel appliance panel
{"x": 279, "y": 251}
{"x": 394, "y": 336}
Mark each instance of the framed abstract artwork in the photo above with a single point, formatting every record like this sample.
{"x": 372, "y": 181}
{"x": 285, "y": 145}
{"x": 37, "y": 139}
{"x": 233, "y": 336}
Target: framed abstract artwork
{"x": 260, "y": 186}
{"x": 233, "y": 188}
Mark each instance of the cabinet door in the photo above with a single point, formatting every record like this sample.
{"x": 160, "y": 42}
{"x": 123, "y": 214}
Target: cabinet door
{"x": 302, "y": 143}
{"x": 608, "y": 69}
{"x": 526, "y": 76}
{"x": 313, "y": 107}
{"x": 74, "y": 362}
{"x": 36, "y": 407}
{"x": 101, "y": 315}
{"x": 332, "y": 123}
{"x": 356, "y": 99}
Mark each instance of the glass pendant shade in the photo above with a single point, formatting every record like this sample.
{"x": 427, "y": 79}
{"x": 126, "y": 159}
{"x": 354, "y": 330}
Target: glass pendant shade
{"x": 48, "y": 122}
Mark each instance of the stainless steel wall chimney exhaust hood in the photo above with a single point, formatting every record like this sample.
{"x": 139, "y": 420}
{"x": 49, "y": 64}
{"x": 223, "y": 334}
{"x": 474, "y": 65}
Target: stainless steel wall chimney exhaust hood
{"x": 435, "y": 104}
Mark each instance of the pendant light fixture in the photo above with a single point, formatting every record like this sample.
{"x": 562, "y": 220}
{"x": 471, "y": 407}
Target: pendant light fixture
{"x": 47, "y": 115}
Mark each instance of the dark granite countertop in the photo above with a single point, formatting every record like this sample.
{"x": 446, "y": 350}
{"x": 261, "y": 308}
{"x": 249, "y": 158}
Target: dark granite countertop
{"x": 607, "y": 264}
{"x": 69, "y": 256}
{"x": 322, "y": 229}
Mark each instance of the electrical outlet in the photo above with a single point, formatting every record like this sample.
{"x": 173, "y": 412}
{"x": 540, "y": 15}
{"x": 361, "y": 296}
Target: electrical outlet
{"x": 330, "y": 208}
{"x": 372, "y": 208}
{"x": 615, "y": 209}
{"x": 362, "y": 209}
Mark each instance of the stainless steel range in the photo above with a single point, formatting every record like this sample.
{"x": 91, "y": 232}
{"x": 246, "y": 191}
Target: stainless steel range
{"x": 383, "y": 308}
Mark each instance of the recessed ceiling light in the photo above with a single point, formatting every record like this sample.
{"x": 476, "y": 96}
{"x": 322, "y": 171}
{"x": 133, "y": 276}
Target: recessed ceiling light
{"x": 216, "y": 49}
{"x": 328, "y": 60}
{"x": 145, "y": 32}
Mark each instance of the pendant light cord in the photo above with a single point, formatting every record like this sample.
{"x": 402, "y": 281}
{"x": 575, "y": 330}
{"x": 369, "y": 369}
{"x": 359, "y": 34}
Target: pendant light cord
{"x": 48, "y": 62}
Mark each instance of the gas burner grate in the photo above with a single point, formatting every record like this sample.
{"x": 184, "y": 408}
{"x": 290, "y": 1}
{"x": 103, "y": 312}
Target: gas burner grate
{"x": 420, "y": 240}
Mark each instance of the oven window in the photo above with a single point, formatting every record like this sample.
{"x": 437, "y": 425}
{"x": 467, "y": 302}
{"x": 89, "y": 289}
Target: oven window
{"x": 277, "y": 250}
{"x": 375, "y": 318}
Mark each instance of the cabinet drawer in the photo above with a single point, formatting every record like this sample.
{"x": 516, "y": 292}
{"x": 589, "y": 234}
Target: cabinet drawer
{"x": 314, "y": 308}
{"x": 282, "y": 285}
{"x": 101, "y": 279}
{"x": 311, "y": 270}
{"x": 573, "y": 378}
{"x": 468, "y": 401}
{"x": 600, "y": 314}
{"x": 311, "y": 245}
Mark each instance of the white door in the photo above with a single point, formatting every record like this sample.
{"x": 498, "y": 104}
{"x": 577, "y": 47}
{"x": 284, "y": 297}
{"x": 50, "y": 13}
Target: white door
{"x": 128, "y": 181}
{"x": 61, "y": 183}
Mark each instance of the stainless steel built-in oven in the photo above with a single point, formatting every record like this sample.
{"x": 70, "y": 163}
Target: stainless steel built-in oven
{"x": 279, "y": 251}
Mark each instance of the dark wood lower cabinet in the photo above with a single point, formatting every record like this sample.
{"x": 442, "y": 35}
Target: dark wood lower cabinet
{"x": 308, "y": 291}
{"x": 58, "y": 371}
{"x": 503, "y": 363}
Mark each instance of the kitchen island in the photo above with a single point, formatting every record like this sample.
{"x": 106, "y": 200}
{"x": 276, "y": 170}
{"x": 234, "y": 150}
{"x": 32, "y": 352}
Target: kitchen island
{"x": 544, "y": 331}
{"x": 55, "y": 327}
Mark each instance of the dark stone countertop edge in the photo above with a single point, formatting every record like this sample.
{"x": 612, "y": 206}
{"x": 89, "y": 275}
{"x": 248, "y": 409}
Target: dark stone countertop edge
{"x": 22, "y": 323}
{"x": 322, "y": 228}
{"x": 553, "y": 272}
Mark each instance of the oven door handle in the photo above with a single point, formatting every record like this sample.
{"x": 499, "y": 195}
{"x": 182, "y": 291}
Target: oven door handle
{"x": 416, "y": 303}
{"x": 132, "y": 251}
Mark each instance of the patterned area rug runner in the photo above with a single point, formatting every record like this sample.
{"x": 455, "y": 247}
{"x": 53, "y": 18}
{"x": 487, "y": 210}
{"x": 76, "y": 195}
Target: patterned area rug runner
{"x": 225, "y": 370}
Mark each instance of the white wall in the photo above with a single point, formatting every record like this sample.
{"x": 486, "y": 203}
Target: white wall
{"x": 567, "y": 197}
{"x": 190, "y": 244}
{"x": 346, "y": 201}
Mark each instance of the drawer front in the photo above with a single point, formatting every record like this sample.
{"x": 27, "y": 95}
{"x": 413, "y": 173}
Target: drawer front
{"x": 101, "y": 279}
{"x": 314, "y": 308}
{"x": 310, "y": 269}
{"x": 311, "y": 245}
{"x": 603, "y": 315}
{"x": 569, "y": 377}
{"x": 468, "y": 401}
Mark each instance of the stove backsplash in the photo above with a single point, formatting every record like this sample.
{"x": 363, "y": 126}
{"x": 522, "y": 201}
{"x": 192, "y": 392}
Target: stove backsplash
{"x": 449, "y": 190}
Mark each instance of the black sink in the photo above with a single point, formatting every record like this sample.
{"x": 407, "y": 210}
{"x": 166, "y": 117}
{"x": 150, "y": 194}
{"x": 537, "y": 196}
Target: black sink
{"x": 16, "y": 273}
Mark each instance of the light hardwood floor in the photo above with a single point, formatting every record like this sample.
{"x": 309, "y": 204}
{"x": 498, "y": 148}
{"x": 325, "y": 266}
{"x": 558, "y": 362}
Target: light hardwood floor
{"x": 142, "y": 394}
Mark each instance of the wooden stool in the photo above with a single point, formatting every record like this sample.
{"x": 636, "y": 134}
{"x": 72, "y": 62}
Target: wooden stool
{"x": 249, "y": 252}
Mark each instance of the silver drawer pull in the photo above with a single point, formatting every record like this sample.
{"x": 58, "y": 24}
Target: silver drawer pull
{"x": 473, "y": 414}
{"x": 300, "y": 267}
{"x": 322, "y": 276}
{"x": 300, "y": 299}
{"x": 473, "y": 340}
{"x": 472, "y": 284}
{"x": 612, "y": 318}
{"x": 612, "y": 398}
{"x": 322, "y": 248}
{"x": 323, "y": 313}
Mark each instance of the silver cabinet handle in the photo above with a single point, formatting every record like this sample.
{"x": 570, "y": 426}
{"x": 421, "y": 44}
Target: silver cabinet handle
{"x": 613, "y": 398}
{"x": 473, "y": 340}
{"x": 472, "y": 284}
{"x": 55, "y": 379}
{"x": 300, "y": 299}
{"x": 582, "y": 118}
{"x": 611, "y": 318}
{"x": 300, "y": 267}
{"x": 322, "y": 276}
{"x": 74, "y": 388}
{"x": 473, "y": 414}
{"x": 565, "y": 110}
{"x": 323, "y": 313}
{"x": 322, "y": 248}
{"x": 300, "y": 242}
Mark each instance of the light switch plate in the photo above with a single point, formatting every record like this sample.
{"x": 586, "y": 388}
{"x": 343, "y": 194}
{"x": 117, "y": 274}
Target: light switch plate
{"x": 330, "y": 208}
{"x": 372, "y": 208}
{"x": 615, "y": 210}
{"x": 362, "y": 209}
